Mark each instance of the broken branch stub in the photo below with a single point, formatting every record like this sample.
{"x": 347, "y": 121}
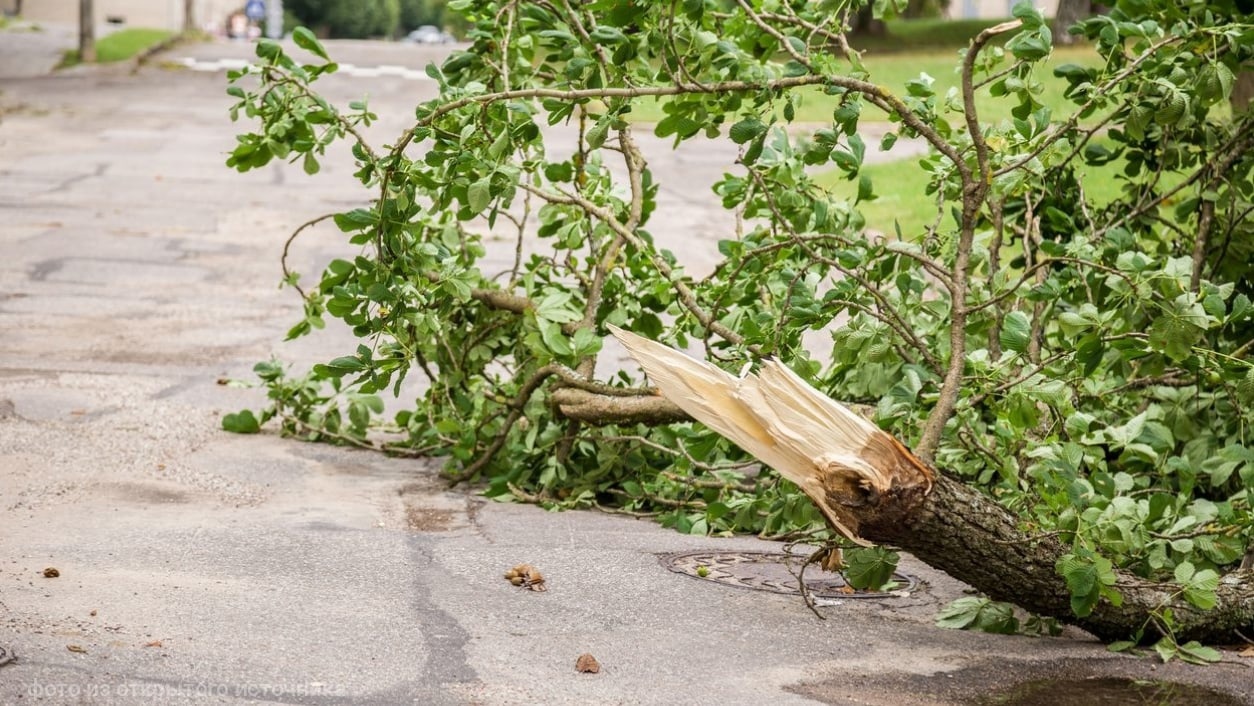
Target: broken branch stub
{"x": 854, "y": 471}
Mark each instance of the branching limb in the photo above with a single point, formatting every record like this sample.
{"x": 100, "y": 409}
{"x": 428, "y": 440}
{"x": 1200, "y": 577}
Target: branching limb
{"x": 287, "y": 245}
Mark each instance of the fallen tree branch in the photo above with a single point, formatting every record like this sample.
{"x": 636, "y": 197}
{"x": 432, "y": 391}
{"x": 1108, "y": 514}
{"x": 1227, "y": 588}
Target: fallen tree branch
{"x": 969, "y": 536}
{"x": 602, "y": 410}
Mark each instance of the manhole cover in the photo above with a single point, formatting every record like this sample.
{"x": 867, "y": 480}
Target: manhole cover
{"x": 769, "y": 571}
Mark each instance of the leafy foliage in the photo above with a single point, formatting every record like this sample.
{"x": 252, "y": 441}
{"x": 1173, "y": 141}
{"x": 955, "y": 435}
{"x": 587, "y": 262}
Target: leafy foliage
{"x": 1086, "y": 364}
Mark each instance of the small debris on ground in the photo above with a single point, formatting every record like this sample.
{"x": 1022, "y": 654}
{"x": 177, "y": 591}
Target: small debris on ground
{"x": 526, "y": 576}
{"x": 51, "y": 573}
{"x": 93, "y": 612}
{"x": 587, "y": 663}
{"x": 76, "y": 648}
{"x": 154, "y": 643}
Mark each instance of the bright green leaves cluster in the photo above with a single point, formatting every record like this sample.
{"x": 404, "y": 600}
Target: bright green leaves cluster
{"x": 1090, "y": 578}
{"x": 986, "y": 615}
{"x": 299, "y": 124}
{"x": 978, "y": 613}
{"x": 1198, "y": 588}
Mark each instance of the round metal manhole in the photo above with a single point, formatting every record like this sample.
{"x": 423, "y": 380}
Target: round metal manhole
{"x": 774, "y": 572}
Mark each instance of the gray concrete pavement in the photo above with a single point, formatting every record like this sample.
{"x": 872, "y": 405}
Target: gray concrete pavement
{"x": 202, "y": 567}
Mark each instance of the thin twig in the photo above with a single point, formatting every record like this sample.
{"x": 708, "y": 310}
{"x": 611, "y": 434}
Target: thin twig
{"x": 287, "y": 245}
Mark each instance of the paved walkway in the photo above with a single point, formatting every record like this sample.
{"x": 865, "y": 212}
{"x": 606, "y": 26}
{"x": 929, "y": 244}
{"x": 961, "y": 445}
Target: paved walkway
{"x": 197, "y": 566}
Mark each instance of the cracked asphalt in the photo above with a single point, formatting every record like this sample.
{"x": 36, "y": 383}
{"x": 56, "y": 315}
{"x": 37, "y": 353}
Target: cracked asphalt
{"x": 196, "y": 566}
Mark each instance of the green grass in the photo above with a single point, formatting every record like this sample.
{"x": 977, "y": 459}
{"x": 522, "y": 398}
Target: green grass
{"x": 893, "y": 70}
{"x": 899, "y": 187}
{"x": 931, "y": 33}
{"x": 121, "y": 45}
{"x": 17, "y": 24}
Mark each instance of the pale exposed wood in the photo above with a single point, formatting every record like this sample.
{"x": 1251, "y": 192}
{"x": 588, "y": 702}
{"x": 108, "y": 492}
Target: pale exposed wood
{"x": 843, "y": 462}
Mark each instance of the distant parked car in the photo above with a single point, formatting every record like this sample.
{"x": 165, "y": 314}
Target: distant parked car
{"x": 429, "y": 34}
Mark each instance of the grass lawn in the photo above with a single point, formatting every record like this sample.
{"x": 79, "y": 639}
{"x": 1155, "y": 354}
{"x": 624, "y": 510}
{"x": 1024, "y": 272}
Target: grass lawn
{"x": 899, "y": 188}
{"x": 894, "y": 69}
{"x": 121, "y": 45}
{"x": 926, "y": 33}
{"x": 930, "y": 46}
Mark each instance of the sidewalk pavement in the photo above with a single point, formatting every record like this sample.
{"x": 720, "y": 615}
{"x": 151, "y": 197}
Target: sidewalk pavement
{"x": 195, "y": 566}
{"x": 29, "y": 49}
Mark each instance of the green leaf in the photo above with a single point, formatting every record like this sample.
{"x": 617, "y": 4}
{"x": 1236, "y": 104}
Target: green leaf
{"x": 1015, "y": 332}
{"x": 746, "y": 130}
{"x": 870, "y": 568}
{"x": 306, "y": 40}
{"x": 556, "y": 306}
{"x": 1180, "y": 325}
{"x": 606, "y": 34}
{"x": 1121, "y": 646}
{"x": 347, "y": 363}
{"x": 1195, "y": 652}
{"x": 976, "y": 613}
{"x": 961, "y": 613}
{"x": 1200, "y": 590}
{"x": 242, "y": 422}
{"x": 585, "y": 342}
{"x": 865, "y": 192}
{"x": 479, "y": 194}
{"x": 554, "y": 339}
{"x": 595, "y": 137}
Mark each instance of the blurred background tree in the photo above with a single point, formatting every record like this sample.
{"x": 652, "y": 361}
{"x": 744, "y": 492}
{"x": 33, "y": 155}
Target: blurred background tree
{"x": 348, "y": 19}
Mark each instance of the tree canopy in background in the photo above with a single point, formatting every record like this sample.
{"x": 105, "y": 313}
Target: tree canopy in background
{"x": 359, "y": 19}
{"x": 1078, "y": 367}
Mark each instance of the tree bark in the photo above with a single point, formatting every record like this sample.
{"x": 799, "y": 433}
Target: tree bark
{"x": 957, "y": 529}
{"x": 189, "y": 15}
{"x": 1069, "y": 12}
{"x": 600, "y": 410}
{"x": 967, "y": 535}
{"x": 863, "y": 23}
{"x": 1242, "y": 92}
{"x": 86, "y": 32}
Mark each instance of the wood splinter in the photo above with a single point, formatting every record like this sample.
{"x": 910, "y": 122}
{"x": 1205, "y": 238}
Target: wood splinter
{"x": 855, "y": 472}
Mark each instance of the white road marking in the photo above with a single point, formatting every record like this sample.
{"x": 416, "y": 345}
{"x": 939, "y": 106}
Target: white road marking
{"x": 353, "y": 70}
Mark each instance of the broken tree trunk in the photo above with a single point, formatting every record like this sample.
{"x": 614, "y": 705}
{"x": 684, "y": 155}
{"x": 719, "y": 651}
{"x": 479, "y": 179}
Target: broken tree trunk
{"x": 869, "y": 487}
{"x": 962, "y": 532}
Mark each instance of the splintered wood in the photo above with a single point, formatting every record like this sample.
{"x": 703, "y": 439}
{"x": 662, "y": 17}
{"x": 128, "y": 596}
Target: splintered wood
{"x": 850, "y": 468}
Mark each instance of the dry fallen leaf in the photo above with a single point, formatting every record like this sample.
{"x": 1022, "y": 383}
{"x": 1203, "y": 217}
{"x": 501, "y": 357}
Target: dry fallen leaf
{"x": 51, "y": 573}
{"x": 527, "y": 576}
{"x": 1247, "y": 652}
{"x": 154, "y": 643}
{"x": 833, "y": 560}
{"x": 587, "y": 663}
{"x": 75, "y": 648}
